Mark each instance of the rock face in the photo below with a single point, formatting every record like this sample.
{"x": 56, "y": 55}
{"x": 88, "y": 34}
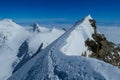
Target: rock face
{"x": 93, "y": 24}
{"x": 24, "y": 56}
{"x": 35, "y": 27}
{"x": 101, "y": 48}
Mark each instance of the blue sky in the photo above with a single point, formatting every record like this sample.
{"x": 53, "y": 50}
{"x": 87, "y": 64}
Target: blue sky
{"x": 60, "y": 11}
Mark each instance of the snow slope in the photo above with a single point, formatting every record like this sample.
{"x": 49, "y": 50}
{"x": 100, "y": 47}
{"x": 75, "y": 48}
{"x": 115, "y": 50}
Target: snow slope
{"x": 75, "y": 43}
{"x": 53, "y": 64}
{"x": 45, "y": 36}
{"x": 13, "y": 35}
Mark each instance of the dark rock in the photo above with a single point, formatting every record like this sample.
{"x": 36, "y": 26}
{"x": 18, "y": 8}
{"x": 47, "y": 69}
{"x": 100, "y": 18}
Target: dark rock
{"x": 98, "y": 37}
{"x": 35, "y": 27}
{"x": 64, "y": 29}
{"x": 26, "y": 57}
{"x": 92, "y": 45}
{"x": 103, "y": 49}
{"x": 38, "y": 50}
{"x": 93, "y": 24}
{"x": 23, "y": 49}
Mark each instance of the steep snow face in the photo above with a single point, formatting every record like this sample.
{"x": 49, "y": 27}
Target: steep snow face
{"x": 53, "y": 64}
{"x": 11, "y": 37}
{"x": 75, "y": 43}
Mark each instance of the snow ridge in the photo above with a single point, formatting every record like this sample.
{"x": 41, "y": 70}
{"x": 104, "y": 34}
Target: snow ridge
{"x": 75, "y": 43}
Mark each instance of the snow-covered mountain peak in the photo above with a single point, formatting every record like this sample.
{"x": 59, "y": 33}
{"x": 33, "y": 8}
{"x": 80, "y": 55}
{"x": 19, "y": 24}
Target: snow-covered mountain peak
{"x": 89, "y": 17}
{"x": 84, "y": 40}
{"x": 37, "y": 28}
{"x": 35, "y": 25}
{"x": 7, "y": 20}
{"x": 75, "y": 42}
{"x": 86, "y": 20}
{"x": 8, "y": 23}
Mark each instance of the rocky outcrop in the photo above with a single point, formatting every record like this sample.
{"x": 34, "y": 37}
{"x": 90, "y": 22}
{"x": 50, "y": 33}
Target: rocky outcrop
{"x": 35, "y": 27}
{"x": 23, "y": 49}
{"x": 93, "y": 23}
{"x": 24, "y": 55}
{"x": 101, "y": 48}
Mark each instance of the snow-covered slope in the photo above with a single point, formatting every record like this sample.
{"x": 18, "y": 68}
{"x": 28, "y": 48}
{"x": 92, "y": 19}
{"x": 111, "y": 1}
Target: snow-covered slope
{"x": 41, "y": 35}
{"x": 12, "y": 36}
{"x": 53, "y": 64}
{"x": 75, "y": 42}
{"x": 8, "y": 29}
{"x": 46, "y": 37}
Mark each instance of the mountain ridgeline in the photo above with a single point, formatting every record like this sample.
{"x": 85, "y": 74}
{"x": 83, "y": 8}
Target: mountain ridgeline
{"x": 80, "y": 53}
